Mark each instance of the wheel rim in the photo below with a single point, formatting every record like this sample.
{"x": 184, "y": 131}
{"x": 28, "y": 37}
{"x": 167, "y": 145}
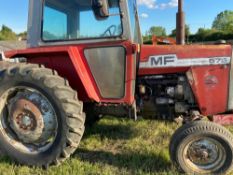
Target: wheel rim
{"x": 28, "y": 120}
{"x": 204, "y": 155}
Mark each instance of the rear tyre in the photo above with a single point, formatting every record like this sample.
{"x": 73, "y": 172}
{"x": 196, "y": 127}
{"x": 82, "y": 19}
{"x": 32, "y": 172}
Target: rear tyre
{"x": 42, "y": 120}
{"x": 202, "y": 148}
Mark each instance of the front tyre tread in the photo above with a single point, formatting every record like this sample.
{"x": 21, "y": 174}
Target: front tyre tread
{"x": 196, "y": 129}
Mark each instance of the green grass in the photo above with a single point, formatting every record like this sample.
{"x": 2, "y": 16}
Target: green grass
{"x": 114, "y": 147}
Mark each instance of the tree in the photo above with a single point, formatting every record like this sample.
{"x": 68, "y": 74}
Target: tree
{"x": 202, "y": 34}
{"x": 22, "y": 36}
{"x": 7, "y": 34}
{"x": 157, "y": 30}
{"x": 224, "y": 21}
{"x": 211, "y": 35}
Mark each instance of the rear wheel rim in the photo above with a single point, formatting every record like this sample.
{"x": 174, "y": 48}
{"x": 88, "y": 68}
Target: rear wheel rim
{"x": 28, "y": 120}
{"x": 204, "y": 155}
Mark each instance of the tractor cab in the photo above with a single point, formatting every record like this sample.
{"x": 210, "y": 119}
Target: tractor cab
{"x": 59, "y": 22}
{"x": 105, "y": 34}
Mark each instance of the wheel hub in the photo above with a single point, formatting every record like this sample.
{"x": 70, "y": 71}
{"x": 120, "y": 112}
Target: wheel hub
{"x": 26, "y": 120}
{"x": 203, "y": 152}
{"x": 31, "y": 117}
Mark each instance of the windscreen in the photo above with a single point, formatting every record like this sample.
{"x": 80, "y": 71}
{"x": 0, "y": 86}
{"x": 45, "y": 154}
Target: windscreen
{"x": 75, "y": 19}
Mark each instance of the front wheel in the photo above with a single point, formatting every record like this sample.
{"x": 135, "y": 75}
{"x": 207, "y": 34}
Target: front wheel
{"x": 202, "y": 148}
{"x": 41, "y": 118}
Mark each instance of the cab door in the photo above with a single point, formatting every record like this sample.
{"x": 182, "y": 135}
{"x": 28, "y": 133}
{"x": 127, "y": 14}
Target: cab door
{"x": 112, "y": 67}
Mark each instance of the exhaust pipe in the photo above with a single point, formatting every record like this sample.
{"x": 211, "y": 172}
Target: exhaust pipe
{"x": 180, "y": 24}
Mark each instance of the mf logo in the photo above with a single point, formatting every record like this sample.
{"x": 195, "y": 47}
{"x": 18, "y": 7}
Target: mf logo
{"x": 162, "y": 60}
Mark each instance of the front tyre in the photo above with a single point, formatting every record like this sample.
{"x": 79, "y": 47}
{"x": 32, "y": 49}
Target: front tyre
{"x": 202, "y": 148}
{"x": 41, "y": 118}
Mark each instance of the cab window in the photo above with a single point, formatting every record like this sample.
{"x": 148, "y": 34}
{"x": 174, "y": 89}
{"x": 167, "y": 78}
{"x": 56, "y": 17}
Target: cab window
{"x": 134, "y": 22}
{"x": 75, "y": 19}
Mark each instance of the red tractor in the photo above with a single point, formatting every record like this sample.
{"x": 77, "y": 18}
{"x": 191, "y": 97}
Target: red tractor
{"x": 94, "y": 47}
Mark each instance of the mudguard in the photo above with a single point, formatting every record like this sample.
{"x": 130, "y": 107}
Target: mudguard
{"x": 67, "y": 61}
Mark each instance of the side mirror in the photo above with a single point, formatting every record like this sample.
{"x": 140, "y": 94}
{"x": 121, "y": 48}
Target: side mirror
{"x": 100, "y": 8}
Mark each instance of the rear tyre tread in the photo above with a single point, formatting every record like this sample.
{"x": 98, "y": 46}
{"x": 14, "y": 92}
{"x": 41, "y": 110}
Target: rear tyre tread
{"x": 60, "y": 88}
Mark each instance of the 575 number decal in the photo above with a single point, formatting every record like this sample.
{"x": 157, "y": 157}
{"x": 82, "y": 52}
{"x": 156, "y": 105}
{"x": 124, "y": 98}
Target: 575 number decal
{"x": 216, "y": 61}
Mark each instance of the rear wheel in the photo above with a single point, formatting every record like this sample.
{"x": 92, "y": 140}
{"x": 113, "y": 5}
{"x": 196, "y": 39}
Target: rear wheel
{"x": 202, "y": 148}
{"x": 41, "y": 118}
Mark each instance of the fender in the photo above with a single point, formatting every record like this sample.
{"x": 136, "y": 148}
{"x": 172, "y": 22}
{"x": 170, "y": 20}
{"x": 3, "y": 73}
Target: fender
{"x": 66, "y": 60}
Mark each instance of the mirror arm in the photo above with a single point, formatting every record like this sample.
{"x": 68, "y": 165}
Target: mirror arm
{"x": 117, "y": 14}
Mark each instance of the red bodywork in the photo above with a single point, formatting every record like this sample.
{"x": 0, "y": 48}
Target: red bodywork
{"x": 212, "y": 97}
{"x": 70, "y": 62}
{"x": 163, "y": 40}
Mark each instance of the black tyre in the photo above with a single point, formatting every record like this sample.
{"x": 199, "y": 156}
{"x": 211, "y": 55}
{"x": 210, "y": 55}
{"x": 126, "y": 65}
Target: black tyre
{"x": 202, "y": 148}
{"x": 42, "y": 120}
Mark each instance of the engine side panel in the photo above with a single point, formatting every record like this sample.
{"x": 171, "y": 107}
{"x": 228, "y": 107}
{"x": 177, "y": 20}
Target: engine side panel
{"x": 207, "y": 69}
{"x": 210, "y": 87}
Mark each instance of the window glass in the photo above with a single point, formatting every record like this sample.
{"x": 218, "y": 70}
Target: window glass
{"x": 55, "y": 27}
{"x": 134, "y": 22}
{"x": 132, "y": 16}
{"x": 75, "y": 19}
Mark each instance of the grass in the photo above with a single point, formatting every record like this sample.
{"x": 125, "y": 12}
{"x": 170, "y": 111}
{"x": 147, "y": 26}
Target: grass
{"x": 113, "y": 147}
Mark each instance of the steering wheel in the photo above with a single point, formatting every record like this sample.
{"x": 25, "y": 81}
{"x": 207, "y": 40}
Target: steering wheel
{"x": 111, "y": 30}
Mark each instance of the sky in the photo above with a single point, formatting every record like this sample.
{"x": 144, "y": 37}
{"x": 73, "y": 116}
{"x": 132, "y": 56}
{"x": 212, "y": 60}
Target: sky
{"x": 199, "y": 13}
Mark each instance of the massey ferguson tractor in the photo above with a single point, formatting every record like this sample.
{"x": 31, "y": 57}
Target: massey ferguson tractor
{"x": 85, "y": 59}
